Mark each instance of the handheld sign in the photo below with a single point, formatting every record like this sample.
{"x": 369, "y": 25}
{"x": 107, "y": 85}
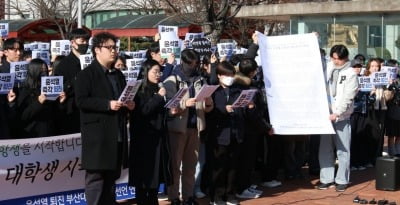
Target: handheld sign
{"x": 189, "y": 37}
{"x": 6, "y": 82}
{"x": 174, "y": 102}
{"x": 20, "y": 69}
{"x": 226, "y": 49}
{"x": 44, "y": 55}
{"x": 167, "y": 30}
{"x": 85, "y": 60}
{"x": 365, "y": 83}
{"x": 202, "y": 46}
{"x": 391, "y": 70}
{"x": 169, "y": 46}
{"x": 52, "y": 86}
{"x": 4, "y": 30}
{"x": 380, "y": 78}
{"x": 205, "y": 92}
{"x": 245, "y": 98}
{"x": 60, "y": 47}
{"x": 130, "y": 91}
{"x": 130, "y": 75}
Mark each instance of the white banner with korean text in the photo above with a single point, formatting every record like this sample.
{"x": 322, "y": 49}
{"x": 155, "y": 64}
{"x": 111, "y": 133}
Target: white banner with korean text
{"x": 47, "y": 170}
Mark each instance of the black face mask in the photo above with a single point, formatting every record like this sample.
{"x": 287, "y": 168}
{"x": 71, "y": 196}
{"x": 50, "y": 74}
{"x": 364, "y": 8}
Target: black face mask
{"x": 189, "y": 71}
{"x": 82, "y": 48}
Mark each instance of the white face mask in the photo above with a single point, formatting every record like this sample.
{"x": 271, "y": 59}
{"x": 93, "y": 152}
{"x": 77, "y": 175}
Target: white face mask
{"x": 228, "y": 81}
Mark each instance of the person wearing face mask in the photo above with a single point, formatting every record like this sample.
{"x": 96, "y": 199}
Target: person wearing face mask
{"x": 185, "y": 124}
{"x": 226, "y": 139}
{"x": 37, "y": 113}
{"x": 69, "y": 68}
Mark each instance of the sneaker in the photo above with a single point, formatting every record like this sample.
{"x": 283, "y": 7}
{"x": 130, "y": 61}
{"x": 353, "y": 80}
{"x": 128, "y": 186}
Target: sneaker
{"x": 353, "y": 168}
{"x": 361, "y": 168}
{"x": 176, "y": 202}
{"x": 190, "y": 201}
{"x": 272, "y": 184}
{"x": 248, "y": 194}
{"x": 324, "y": 186}
{"x": 162, "y": 197}
{"x": 254, "y": 189}
{"x": 199, "y": 194}
{"x": 217, "y": 203}
{"x": 341, "y": 187}
{"x": 231, "y": 200}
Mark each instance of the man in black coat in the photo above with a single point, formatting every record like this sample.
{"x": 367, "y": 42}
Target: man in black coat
{"x": 103, "y": 121}
{"x": 69, "y": 68}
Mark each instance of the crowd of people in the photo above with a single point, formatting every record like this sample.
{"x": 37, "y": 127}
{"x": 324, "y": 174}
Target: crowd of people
{"x": 200, "y": 148}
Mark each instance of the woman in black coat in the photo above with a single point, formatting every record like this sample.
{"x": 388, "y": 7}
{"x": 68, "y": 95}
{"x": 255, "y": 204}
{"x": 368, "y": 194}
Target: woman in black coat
{"x": 149, "y": 161}
{"x": 36, "y": 111}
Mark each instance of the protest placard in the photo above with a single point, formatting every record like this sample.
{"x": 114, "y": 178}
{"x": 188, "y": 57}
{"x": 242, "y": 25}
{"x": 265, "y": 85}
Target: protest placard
{"x": 205, "y": 92}
{"x": 202, "y": 46}
{"x": 60, "y": 47}
{"x": 20, "y": 69}
{"x": 44, "y": 55}
{"x": 136, "y": 54}
{"x": 131, "y": 75}
{"x": 170, "y": 46}
{"x": 176, "y": 99}
{"x": 189, "y": 37}
{"x": 85, "y": 60}
{"x": 4, "y": 30}
{"x": 297, "y": 98}
{"x": 245, "y": 98}
{"x": 226, "y": 49}
{"x": 393, "y": 71}
{"x": 167, "y": 30}
{"x": 130, "y": 90}
{"x": 6, "y": 82}
{"x": 134, "y": 64}
{"x": 52, "y": 86}
{"x": 365, "y": 83}
{"x": 380, "y": 78}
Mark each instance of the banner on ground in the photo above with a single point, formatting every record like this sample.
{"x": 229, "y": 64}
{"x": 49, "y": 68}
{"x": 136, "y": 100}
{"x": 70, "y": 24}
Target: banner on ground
{"x": 297, "y": 98}
{"x": 44, "y": 171}
{"x": 6, "y": 82}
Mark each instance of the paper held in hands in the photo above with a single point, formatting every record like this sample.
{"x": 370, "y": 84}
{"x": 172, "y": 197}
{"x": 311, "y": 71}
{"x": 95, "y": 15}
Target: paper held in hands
{"x": 130, "y": 91}
{"x": 52, "y": 86}
{"x": 205, "y": 92}
{"x": 174, "y": 102}
{"x": 245, "y": 98}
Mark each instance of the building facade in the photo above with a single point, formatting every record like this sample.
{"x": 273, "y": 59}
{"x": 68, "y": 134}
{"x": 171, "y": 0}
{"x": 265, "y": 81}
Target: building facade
{"x": 369, "y": 27}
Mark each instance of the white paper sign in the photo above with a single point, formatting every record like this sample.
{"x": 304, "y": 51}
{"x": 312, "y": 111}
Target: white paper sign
{"x": 174, "y": 102}
{"x": 170, "y": 46}
{"x": 60, "y": 47}
{"x": 85, "y": 60}
{"x": 380, "y": 78}
{"x": 130, "y": 91}
{"x": 365, "y": 83}
{"x": 226, "y": 49}
{"x": 167, "y": 30}
{"x": 245, "y": 98}
{"x": 44, "y": 55}
{"x": 205, "y": 92}
{"x": 297, "y": 97}
{"x": 4, "y": 30}
{"x": 189, "y": 37}
{"x": 6, "y": 82}
{"x": 136, "y": 54}
{"x": 134, "y": 64}
{"x": 20, "y": 69}
{"x": 52, "y": 86}
{"x": 391, "y": 70}
{"x": 130, "y": 75}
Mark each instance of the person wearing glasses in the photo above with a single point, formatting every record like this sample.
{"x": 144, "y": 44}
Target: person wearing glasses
{"x": 103, "y": 121}
{"x": 69, "y": 68}
{"x": 13, "y": 50}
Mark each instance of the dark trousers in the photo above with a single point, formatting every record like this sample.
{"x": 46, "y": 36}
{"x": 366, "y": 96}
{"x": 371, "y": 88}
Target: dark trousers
{"x": 100, "y": 187}
{"x": 313, "y": 150}
{"x": 224, "y": 172}
{"x": 146, "y": 196}
{"x": 273, "y": 158}
{"x": 247, "y": 162}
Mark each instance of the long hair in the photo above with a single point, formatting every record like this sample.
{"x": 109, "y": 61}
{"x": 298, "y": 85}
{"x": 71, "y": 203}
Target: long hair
{"x": 146, "y": 67}
{"x": 367, "y": 69}
{"x": 33, "y": 77}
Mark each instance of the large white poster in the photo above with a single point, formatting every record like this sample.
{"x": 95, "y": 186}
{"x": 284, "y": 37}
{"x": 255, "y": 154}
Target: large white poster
{"x": 294, "y": 82}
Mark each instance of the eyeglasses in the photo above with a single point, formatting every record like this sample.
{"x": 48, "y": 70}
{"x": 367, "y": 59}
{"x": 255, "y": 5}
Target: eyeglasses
{"x": 111, "y": 47}
{"x": 15, "y": 49}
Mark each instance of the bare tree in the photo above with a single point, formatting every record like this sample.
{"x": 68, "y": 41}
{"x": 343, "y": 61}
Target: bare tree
{"x": 63, "y": 13}
{"x": 140, "y": 6}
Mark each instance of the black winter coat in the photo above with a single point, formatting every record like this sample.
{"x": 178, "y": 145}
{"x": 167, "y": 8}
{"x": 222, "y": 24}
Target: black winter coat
{"x": 150, "y": 164}
{"x": 100, "y": 126}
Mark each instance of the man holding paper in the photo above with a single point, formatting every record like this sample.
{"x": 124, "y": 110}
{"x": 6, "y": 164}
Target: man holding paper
{"x": 343, "y": 87}
{"x": 103, "y": 121}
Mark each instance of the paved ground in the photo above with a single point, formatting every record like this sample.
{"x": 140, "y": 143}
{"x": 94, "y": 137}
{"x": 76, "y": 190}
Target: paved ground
{"x": 302, "y": 191}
